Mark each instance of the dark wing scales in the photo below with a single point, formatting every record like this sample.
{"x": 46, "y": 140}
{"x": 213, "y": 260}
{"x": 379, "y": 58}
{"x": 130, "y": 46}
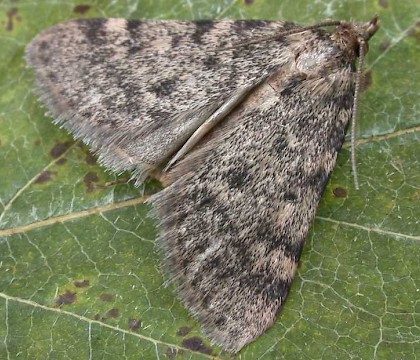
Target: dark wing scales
{"x": 135, "y": 90}
{"x": 233, "y": 225}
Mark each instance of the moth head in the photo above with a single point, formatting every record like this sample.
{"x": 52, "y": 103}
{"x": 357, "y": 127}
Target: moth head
{"x": 370, "y": 28}
{"x": 350, "y": 37}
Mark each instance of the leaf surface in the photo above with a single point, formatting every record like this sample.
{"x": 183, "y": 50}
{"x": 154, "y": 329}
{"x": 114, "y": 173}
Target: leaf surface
{"x": 79, "y": 271}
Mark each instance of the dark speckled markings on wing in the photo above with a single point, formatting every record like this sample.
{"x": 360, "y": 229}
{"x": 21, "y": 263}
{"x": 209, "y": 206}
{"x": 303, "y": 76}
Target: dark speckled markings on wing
{"x": 268, "y": 102}
{"x": 202, "y": 27}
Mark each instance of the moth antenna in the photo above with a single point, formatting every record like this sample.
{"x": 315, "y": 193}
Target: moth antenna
{"x": 359, "y": 81}
{"x": 289, "y": 32}
{"x": 310, "y": 27}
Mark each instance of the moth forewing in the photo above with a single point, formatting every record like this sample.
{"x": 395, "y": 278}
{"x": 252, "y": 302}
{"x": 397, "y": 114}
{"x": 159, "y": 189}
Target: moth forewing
{"x": 233, "y": 224}
{"x": 214, "y": 119}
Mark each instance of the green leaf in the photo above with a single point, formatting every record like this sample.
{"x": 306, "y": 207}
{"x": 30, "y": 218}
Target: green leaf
{"x": 79, "y": 271}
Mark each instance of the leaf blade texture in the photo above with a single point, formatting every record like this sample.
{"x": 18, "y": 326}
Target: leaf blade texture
{"x": 382, "y": 234}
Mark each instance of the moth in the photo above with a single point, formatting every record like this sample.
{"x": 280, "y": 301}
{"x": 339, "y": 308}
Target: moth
{"x": 245, "y": 118}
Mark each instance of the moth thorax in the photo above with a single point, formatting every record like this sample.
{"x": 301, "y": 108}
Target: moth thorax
{"x": 346, "y": 37}
{"x": 350, "y": 37}
{"x": 311, "y": 60}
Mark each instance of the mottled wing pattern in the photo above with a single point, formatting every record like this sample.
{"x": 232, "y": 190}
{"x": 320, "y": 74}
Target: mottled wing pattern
{"x": 234, "y": 223}
{"x": 235, "y": 215}
{"x": 115, "y": 82}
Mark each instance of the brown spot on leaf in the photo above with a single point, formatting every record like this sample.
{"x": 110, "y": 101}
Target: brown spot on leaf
{"x": 59, "y": 149}
{"x": 367, "y": 80}
{"x": 106, "y": 297}
{"x": 134, "y": 324}
{"x": 97, "y": 317}
{"x": 384, "y": 45}
{"x": 90, "y": 159}
{"x": 340, "y": 192}
{"x": 61, "y": 161}
{"x": 82, "y": 283}
{"x": 414, "y": 31}
{"x": 248, "y": 2}
{"x": 10, "y": 15}
{"x": 37, "y": 142}
{"x": 44, "y": 177}
{"x": 383, "y": 3}
{"x": 182, "y": 331}
{"x": 114, "y": 313}
{"x": 81, "y": 9}
{"x": 196, "y": 344}
{"x": 171, "y": 353}
{"x": 89, "y": 179}
{"x": 68, "y": 297}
